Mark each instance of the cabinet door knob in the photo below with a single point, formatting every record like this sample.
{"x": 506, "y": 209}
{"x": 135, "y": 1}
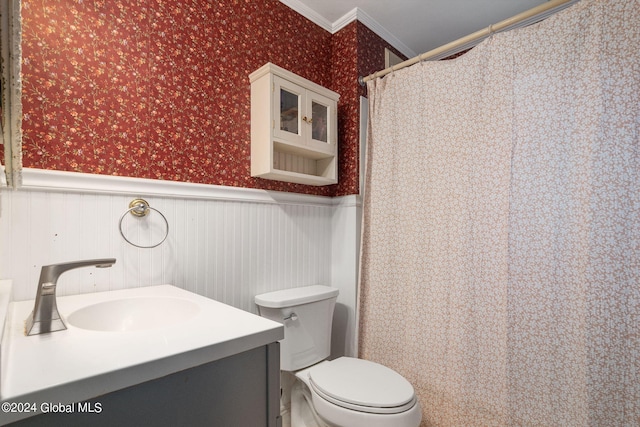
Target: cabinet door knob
{"x": 307, "y": 120}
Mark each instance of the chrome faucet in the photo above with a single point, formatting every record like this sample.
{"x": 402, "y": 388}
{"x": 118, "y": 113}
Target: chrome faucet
{"x": 45, "y": 317}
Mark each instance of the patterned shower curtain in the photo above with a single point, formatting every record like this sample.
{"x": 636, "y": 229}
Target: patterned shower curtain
{"x": 500, "y": 267}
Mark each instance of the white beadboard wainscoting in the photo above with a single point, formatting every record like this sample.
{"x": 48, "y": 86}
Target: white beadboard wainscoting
{"x": 225, "y": 243}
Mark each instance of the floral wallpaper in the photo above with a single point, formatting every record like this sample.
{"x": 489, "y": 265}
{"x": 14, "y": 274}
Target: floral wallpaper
{"x": 356, "y": 51}
{"x": 371, "y": 53}
{"x": 157, "y": 89}
{"x": 344, "y": 75}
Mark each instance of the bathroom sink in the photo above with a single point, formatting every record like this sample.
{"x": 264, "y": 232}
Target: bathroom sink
{"x": 116, "y": 340}
{"x": 133, "y": 314}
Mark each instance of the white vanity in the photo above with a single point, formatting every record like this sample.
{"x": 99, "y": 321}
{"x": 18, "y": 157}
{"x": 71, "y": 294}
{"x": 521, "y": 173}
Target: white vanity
{"x": 156, "y": 355}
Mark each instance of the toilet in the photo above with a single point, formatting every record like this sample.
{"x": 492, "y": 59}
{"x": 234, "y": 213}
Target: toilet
{"x": 344, "y": 392}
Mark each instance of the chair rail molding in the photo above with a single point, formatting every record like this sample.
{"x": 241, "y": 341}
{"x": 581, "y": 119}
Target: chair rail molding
{"x": 77, "y": 182}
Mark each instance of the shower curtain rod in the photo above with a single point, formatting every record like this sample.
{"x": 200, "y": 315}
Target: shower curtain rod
{"x": 530, "y": 16}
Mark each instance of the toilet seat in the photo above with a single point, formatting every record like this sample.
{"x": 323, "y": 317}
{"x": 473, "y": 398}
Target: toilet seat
{"x": 362, "y": 385}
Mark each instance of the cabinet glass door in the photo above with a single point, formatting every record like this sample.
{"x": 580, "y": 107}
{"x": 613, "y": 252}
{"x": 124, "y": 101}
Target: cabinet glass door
{"x": 289, "y": 111}
{"x": 289, "y": 106}
{"x": 322, "y": 112}
{"x": 319, "y": 122}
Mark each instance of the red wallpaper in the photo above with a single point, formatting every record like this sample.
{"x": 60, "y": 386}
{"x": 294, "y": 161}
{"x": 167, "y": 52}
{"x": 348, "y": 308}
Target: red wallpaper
{"x": 158, "y": 89}
{"x": 345, "y": 81}
{"x": 371, "y": 52}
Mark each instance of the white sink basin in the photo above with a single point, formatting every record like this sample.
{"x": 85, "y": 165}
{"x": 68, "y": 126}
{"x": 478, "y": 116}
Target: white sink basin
{"x": 134, "y": 314}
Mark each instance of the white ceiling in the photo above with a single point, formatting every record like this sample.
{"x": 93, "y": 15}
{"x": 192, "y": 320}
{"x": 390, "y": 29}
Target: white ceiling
{"x": 413, "y": 26}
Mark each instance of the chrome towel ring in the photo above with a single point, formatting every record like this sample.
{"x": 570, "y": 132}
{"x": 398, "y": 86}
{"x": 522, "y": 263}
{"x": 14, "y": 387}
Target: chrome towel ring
{"x": 140, "y": 208}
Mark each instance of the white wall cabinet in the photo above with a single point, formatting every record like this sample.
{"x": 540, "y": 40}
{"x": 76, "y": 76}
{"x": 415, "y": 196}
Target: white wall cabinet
{"x": 294, "y": 130}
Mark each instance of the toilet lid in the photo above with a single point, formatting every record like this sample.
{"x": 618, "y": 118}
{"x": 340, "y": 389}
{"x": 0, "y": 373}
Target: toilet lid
{"x": 362, "y": 385}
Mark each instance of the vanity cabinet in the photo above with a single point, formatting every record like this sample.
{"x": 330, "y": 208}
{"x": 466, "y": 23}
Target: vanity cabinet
{"x": 240, "y": 390}
{"x": 294, "y": 128}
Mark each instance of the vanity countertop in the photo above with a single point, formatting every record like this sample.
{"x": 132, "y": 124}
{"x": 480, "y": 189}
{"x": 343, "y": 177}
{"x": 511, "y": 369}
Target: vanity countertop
{"x": 78, "y": 364}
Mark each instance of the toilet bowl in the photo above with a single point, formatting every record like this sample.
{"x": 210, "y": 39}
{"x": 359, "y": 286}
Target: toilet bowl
{"x": 359, "y": 393}
{"x": 345, "y": 392}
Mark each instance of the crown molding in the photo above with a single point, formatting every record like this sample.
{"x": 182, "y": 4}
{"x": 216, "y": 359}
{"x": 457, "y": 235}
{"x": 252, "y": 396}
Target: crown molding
{"x": 346, "y": 19}
{"x": 309, "y": 13}
{"x": 377, "y": 28}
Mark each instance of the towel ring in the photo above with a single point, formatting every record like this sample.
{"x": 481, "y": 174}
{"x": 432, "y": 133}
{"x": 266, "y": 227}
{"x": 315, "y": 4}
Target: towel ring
{"x": 140, "y": 208}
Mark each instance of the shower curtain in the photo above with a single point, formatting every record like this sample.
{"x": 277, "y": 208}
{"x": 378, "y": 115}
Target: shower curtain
{"x": 500, "y": 269}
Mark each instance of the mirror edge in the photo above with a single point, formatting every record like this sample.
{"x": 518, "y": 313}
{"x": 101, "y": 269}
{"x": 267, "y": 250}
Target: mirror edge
{"x": 11, "y": 37}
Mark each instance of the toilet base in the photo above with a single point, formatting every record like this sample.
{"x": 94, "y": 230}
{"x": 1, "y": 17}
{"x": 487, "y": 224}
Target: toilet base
{"x": 302, "y": 412}
{"x": 286, "y": 383}
{"x": 296, "y": 409}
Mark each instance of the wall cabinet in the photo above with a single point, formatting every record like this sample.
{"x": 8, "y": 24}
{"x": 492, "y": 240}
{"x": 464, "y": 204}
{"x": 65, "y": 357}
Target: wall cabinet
{"x": 294, "y": 130}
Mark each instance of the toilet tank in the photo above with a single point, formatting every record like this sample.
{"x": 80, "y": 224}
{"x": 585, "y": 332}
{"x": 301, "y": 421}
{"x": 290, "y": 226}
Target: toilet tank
{"x": 307, "y": 314}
